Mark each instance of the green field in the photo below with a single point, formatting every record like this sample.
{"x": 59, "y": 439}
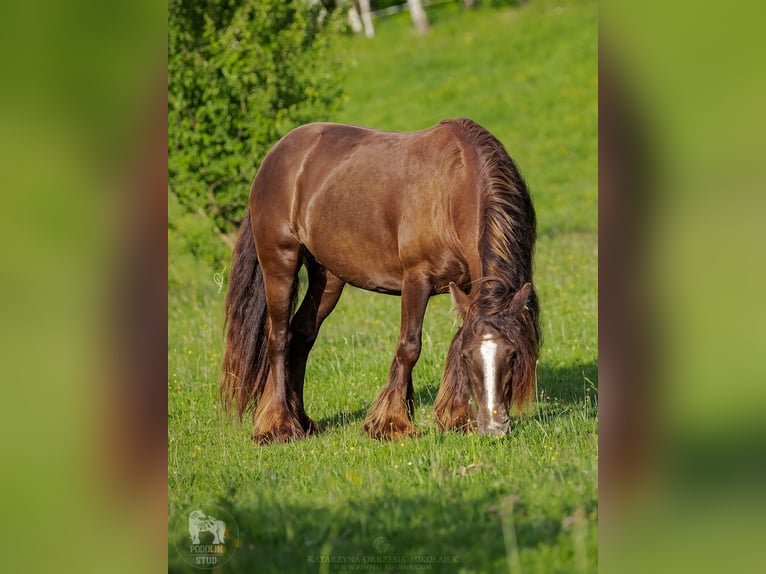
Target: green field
{"x": 438, "y": 502}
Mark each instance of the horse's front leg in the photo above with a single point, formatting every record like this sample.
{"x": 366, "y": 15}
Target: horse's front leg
{"x": 391, "y": 415}
{"x": 452, "y": 407}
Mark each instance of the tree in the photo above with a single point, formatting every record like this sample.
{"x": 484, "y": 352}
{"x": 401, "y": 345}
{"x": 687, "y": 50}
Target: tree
{"x": 241, "y": 73}
{"x": 419, "y": 16}
{"x": 364, "y": 10}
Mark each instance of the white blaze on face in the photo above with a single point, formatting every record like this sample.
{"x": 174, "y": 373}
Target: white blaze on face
{"x": 488, "y": 350}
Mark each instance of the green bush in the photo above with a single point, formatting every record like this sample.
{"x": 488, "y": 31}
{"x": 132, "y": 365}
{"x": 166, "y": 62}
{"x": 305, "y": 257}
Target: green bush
{"x": 241, "y": 74}
{"x": 195, "y": 235}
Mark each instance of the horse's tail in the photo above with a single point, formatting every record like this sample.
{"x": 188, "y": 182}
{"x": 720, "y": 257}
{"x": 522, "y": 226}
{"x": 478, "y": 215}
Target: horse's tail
{"x": 245, "y": 360}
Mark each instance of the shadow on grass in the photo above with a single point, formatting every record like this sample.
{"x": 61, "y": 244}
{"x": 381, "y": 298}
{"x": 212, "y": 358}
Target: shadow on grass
{"x": 568, "y": 385}
{"x": 425, "y": 394}
{"x": 342, "y": 419}
{"x": 424, "y": 397}
{"x": 390, "y": 533}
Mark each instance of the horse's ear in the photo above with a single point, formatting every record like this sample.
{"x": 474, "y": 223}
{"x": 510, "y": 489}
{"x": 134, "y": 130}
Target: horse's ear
{"x": 460, "y": 299}
{"x": 520, "y": 299}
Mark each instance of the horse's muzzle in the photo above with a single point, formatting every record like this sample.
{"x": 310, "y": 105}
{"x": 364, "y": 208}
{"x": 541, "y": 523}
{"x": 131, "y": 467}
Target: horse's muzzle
{"x": 496, "y": 428}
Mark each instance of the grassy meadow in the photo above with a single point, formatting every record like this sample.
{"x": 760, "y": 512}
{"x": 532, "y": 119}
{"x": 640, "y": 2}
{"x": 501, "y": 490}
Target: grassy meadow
{"x": 438, "y": 502}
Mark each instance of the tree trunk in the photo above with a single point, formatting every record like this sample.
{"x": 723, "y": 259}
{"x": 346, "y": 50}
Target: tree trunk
{"x": 364, "y": 6}
{"x": 355, "y": 20}
{"x": 418, "y": 16}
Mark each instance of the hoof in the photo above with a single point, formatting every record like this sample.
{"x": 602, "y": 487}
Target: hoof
{"x": 460, "y": 420}
{"x": 465, "y": 427}
{"x": 310, "y": 427}
{"x": 460, "y": 425}
{"x": 390, "y": 429}
{"x": 285, "y": 432}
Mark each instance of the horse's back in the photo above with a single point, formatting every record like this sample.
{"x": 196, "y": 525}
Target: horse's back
{"x": 369, "y": 204}
{"x": 279, "y": 176}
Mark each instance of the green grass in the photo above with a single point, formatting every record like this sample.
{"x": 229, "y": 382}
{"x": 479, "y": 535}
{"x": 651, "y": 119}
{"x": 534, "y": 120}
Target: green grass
{"x": 530, "y": 501}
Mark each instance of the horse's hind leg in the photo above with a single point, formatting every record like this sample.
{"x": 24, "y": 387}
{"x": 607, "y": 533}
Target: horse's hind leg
{"x": 274, "y": 420}
{"x": 391, "y": 415}
{"x": 322, "y": 295}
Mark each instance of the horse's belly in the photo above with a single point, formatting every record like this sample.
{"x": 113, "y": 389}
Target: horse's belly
{"x": 378, "y": 268}
{"x": 364, "y": 266}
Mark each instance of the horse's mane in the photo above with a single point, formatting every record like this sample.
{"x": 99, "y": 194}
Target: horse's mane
{"x": 508, "y": 235}
{"x": 507, "y": 243}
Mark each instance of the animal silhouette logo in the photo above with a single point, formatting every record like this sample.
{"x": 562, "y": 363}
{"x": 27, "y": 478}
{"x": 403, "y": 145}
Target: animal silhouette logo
{"x": 199, "y": 522}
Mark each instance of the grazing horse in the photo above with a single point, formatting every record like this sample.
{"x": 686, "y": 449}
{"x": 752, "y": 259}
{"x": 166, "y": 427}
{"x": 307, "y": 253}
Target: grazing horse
{"x": 404, "y": 213}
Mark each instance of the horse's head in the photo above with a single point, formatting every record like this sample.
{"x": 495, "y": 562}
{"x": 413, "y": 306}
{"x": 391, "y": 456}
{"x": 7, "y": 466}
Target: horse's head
{"x": 498, "y": 353}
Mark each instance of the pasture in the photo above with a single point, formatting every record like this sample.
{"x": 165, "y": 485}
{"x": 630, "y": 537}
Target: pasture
{"x": 437, "y": 502}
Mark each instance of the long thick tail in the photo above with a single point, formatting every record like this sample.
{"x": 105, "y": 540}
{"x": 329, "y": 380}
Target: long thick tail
{"x": 245, "y": 360}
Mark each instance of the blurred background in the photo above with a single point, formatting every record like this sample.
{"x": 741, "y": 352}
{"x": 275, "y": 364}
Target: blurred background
{"x": 88, "y": 105}
{"x": 680, "y": 190}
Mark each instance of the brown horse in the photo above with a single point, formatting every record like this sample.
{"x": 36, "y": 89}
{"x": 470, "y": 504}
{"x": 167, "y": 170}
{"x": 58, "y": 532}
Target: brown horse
{"x": 404, "y": 213}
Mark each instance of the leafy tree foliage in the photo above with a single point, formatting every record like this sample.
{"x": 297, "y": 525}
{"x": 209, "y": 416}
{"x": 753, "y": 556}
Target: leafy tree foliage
{"x": 241, "y": 73}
